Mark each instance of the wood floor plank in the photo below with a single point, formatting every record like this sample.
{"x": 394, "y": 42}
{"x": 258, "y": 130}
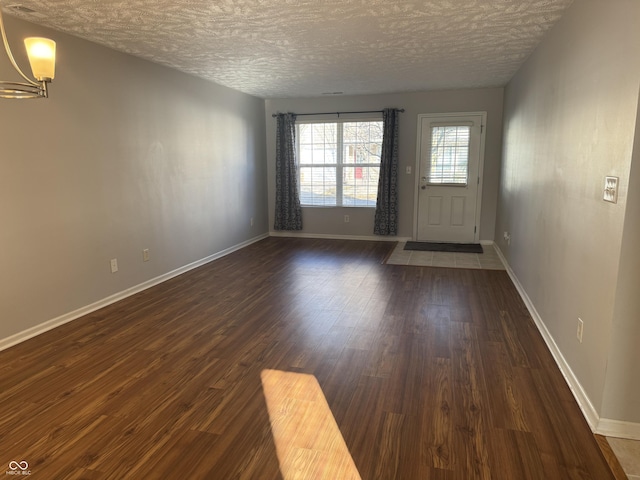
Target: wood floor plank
{"x": 507, "y": 404}
{"x": 437, "y": 432}
{"x": 522, "y": 462}
{"x": 471, "y": 403}
{"x": 433, "y": 373}
{"x": 389, "y": 448}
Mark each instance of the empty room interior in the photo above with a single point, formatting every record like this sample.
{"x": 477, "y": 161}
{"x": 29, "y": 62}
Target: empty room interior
{"x": 218, "y": 223}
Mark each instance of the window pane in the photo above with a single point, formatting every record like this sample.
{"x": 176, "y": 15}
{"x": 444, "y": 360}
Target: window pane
{"x": 318, "y": 185}
{"x": 350, "y": 133}
{"x": 304, "y": 133}
{"x": 360, "y": 186}
{"x": 377, "y": 130}
{"x": 353, "y": 148}
{"x": 306, "y": 154}
{"x": 449, "y": 154}
{"x": 317, "y": 143}
{"x": 362, "y": 142}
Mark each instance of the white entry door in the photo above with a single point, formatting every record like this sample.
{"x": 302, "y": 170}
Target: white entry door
{"x": 450, "y": 153}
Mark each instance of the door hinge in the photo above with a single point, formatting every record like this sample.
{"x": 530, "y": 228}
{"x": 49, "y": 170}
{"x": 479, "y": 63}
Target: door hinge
{"x": 475, "y": 229}
{"x": 478, "y": 180}
{"x": 481, "y": 128}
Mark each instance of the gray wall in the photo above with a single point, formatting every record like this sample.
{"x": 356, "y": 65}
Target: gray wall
{"x": 330, "y": 221}
{"x": 125, "y": 155}
{"x": 570, "y": 120}
{"x": 622, "y": 389}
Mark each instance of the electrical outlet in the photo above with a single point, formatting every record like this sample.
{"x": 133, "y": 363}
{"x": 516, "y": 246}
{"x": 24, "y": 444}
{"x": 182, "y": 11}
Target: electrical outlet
{"x": 580, "y": 329}
{"x": 145, "y": 255}
{"x": 346, "y": 219}
{"x": 114, "y": 265}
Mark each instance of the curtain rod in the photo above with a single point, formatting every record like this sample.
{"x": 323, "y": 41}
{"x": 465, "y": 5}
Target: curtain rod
{"x": 338, "y": 113}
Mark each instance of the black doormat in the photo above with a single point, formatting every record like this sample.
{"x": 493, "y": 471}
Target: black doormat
{"x": 445, "y": 247}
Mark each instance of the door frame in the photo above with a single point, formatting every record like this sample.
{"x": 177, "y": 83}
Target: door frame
{"x": 483, "y": 133}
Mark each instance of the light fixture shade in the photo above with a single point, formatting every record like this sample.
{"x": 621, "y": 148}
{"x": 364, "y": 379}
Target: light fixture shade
{"x": 42, "y": 57}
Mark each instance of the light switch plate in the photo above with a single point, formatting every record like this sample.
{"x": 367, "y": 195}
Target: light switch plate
{"x": 610, "y": 189}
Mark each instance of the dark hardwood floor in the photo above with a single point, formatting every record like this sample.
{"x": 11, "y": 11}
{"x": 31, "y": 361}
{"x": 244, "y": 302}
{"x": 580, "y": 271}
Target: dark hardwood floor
{"x": 429, "y": 373}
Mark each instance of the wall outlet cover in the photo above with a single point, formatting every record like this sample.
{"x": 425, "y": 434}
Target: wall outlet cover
{"x": 610, "y": 189}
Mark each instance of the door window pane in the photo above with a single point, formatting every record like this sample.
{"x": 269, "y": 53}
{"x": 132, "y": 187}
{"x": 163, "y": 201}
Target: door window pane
{"x": 449, "y": 162}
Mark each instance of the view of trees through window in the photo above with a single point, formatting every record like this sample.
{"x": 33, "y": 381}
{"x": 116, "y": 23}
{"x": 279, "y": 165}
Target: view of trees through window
{"x": 449, "y": 155}
{"x": 339, "y": 162}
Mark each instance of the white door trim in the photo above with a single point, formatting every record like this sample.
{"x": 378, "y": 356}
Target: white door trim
{"x": 416, "y": 188}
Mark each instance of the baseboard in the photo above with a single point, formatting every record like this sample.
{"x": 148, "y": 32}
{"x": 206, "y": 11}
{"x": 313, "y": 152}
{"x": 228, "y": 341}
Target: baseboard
{"x": 601, "y": 426}
{"x": 380, "y": 238}
{"x": 69, "y": 317}
{"x": 589, "y": 412}
{"x": 618, "y": 429}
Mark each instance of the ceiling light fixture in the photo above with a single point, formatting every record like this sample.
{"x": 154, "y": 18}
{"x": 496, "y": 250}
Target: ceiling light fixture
{"x": 42, "y": 57}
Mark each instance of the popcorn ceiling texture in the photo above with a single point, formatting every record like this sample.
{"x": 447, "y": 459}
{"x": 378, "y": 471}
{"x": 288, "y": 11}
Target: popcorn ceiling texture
{"x": 301, "y": 48}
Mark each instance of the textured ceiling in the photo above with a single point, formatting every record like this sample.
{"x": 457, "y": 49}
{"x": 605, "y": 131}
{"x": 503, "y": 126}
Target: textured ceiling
{"x": 300, "y": 48}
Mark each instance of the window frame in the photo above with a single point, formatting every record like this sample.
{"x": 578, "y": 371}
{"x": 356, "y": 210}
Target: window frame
{"x": 340, "y": 146}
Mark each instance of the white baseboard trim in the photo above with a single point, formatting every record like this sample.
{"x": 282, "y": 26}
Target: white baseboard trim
{"x": 380, "y": 238}
{"x": 618, "y": 429}
{"x": 589, "y": 412}
{"x": 602, "y": 426}
{"x": 68, "y": 317}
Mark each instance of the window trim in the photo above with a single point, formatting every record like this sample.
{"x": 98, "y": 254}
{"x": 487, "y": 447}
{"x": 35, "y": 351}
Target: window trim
{"x": 339, "y": 166}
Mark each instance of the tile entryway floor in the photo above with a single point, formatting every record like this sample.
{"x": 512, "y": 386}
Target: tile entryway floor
{"x": 489, "y": 260}
{"x": 628, "y": 453}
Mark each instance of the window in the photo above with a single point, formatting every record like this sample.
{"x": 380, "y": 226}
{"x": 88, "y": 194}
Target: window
{"x": 339, "y": 162}
{"x": 449, "y": 163}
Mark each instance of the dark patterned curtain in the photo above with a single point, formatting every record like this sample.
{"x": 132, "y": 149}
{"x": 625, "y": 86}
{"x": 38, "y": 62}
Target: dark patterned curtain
{"x": 386, "y": 219}
{"x": 288, "y": 214}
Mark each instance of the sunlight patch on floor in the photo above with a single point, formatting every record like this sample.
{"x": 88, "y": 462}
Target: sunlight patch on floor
{"x": 307, "y": 438}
